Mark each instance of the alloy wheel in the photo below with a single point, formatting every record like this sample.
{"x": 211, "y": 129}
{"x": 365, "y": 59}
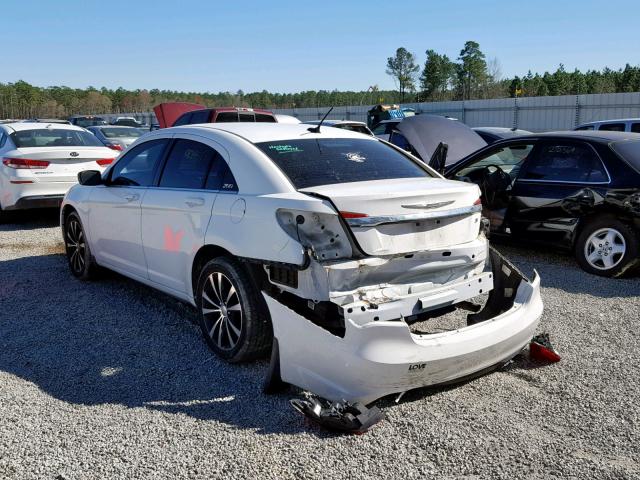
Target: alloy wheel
{"x": 75, "y": 245}
{"x": 221, "y": 311}
{"x": 605, "y": 248}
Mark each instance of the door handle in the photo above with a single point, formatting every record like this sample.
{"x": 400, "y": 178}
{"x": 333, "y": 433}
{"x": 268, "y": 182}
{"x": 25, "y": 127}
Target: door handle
{"x": 194, "y": 202}
{"x": 131, "y": 197}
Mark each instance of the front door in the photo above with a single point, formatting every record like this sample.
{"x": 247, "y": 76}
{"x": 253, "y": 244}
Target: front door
{"x": 116, "y": 209}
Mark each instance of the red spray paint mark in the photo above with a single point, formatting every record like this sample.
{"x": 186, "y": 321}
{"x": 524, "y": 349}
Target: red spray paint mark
{"x": 172, "y": 240}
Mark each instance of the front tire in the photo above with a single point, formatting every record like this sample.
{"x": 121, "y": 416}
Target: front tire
{"x": 607, "y": 247}
{"x": 78, "y": 252}
{"x": 234, "y": 318}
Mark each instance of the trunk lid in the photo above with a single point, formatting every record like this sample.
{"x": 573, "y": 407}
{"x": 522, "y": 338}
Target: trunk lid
{"x": 400, "y": 216}
{"x": 64, "y": 162}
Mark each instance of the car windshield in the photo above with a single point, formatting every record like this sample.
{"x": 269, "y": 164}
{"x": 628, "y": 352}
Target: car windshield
{"x": 327, "y": 161}
{"x": 121, "y": 132}
{"x": 629, "y": 150}
{"x": 51, "y": 137}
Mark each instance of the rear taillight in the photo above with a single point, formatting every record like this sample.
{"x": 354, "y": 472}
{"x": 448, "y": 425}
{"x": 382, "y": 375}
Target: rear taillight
{"x": 24, "y": 163}
{"x": 114, "y": 146}
{"x": 478, "y": 201}
{"x": 346, "y": 215}
{"x": 103, "y": 162}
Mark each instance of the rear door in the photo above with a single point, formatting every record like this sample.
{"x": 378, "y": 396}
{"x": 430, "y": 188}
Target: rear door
{"x": 552, "y": 180}
{"x": 115, "y": 209}
{"x": 176, "y": 212}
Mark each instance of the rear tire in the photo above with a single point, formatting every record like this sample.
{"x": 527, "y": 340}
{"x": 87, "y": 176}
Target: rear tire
{"x": 607, "y": 247}
{"x": 234, "y": 318}
{"x": 79, "y": 256}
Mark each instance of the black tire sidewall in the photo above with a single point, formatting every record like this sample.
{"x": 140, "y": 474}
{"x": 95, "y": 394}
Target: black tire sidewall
{"x": 630, "y": 237}
{"x": 251, "y": 304}
{"x": 86, "y": 271}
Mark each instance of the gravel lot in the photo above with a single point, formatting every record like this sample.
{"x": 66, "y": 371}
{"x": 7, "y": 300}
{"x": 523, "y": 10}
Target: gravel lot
{"x": 112, "y": 380}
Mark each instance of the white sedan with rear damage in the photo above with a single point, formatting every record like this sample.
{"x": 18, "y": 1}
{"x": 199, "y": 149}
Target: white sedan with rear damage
{"x": 41, "y": 161}
{"x": 319, "y": 245}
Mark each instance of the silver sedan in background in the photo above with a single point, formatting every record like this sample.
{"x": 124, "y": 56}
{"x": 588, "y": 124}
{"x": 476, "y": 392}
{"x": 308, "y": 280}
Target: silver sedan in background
{"x": 116, "y": 137}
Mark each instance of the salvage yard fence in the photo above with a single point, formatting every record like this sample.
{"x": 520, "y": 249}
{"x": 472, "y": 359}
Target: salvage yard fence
{"x": 536, "y": 114}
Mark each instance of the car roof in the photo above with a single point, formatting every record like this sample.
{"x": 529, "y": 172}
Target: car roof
{"x": 257, "y": 132}
{"x": 499, "y": 130}
{"x": 126, "y": 127}
{"x": 18, "y": 126}
{"x": 598, "y": 135}
{"x": 611, "y": 121}
{"x": 335, "y": 122}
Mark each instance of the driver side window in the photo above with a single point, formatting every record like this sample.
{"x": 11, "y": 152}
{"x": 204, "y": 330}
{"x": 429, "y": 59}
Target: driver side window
{"x": 509, "y": 158}
{"x": 137, "y": 168}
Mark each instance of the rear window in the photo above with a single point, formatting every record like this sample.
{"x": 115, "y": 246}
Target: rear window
{"x": 612, "y": 127}
{"x": 327, "y": 161}
{"x": 263, "y": 117}
{"x": 630, "y": 151}
{"x": 89, "y": 122}
{"x": 200, "y": 116}
{"x": 227, "y": 117}
{"x": 51, "y": 137}
{"x": 122, "y": 132}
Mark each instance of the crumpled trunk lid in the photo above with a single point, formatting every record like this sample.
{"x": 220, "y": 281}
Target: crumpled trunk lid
{"x": 400, "y": 216}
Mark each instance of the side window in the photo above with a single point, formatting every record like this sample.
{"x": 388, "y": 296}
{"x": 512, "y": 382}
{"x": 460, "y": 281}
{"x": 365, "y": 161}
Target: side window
{"x": 200, "y": 116}
{"x": 221, "y": 178}
{"x": 247, "y": 117}
{"x": 566, "y": 162}
{"x": 509, "y": 159}
{"x": 612, "y": 127}
{"x": 137, "y": 167}
{"x": 184, "y": 119}
{"x": 635, "y": 127}
{"x": 3, "y": 139}
{"x": 188, "y": 164}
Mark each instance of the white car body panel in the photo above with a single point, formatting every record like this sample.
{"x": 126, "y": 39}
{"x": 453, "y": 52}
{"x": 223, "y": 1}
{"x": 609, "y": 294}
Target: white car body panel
{"x": 420, "y": 258}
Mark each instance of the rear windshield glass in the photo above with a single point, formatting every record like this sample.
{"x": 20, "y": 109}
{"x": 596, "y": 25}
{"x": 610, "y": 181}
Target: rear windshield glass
{"x": 327, "y": 161}
{"x": 51, "y": 137}
{"x": 89, "y": 122}
{"x": 629, "y": 151}
{"x": 121, "y": 132}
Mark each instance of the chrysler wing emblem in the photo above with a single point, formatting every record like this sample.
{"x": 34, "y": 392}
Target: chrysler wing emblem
{"x": 428, "y": 206}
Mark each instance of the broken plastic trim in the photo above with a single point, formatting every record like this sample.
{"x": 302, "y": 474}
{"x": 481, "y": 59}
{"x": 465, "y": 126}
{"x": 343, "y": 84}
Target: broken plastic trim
{"x": 345, "y": 417}
{"x": 506, "y": 278}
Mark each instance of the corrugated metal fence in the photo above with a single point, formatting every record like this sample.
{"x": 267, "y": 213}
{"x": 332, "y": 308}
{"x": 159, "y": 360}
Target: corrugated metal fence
{"x": 536, "y": 114}
{"x": 529, "y": 113}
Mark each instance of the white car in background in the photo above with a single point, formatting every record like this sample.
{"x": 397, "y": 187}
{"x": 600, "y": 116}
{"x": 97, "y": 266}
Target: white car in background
{"x": 41, "y": 161}
{"x": 318, "y": 244}
{"x": 352, "y": 125}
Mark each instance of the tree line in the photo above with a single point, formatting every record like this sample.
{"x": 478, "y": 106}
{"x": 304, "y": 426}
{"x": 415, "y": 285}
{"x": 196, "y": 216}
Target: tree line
{"x": 473, "y": 76}
{"x": 470, "y": 76}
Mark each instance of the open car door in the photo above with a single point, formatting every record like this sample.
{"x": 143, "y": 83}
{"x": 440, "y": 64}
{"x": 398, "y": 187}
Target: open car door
{"x": 167, "y": 113}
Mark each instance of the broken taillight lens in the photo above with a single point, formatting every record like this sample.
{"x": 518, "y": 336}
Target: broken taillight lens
{"x": 346, "y": 215}
{"x": 478, "y": 201}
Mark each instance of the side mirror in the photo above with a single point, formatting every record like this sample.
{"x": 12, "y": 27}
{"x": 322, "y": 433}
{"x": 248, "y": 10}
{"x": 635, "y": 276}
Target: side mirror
{"x": 90, "y": 178}
{"x": 439, "y": 158}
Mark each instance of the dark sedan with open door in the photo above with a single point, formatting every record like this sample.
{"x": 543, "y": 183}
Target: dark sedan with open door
{"x": 575, "y": 190}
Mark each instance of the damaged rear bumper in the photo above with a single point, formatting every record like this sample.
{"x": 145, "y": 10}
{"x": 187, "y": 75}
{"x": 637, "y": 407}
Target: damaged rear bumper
{"x": 383, "y": 357}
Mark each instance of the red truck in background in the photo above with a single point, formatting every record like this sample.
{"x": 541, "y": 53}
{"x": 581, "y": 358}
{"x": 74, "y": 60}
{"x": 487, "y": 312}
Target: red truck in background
{"x": 173, "y": 114}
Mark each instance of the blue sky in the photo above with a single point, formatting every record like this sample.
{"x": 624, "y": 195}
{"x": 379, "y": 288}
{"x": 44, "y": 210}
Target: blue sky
{"x": 288, "y": 46}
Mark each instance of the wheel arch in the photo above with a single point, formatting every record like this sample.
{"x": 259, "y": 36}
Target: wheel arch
{"x": 202, "y": 256}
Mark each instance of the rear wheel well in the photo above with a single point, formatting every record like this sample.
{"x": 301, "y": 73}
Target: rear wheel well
{"x": 588, "y": 219}
{"x": 204, "y": 255}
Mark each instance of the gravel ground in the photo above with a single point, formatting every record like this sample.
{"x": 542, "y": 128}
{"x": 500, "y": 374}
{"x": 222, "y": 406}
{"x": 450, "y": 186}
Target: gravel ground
{"x": 112, "y": 380}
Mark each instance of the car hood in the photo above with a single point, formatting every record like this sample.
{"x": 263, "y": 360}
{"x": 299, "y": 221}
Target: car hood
{"x": 425, "y": 132}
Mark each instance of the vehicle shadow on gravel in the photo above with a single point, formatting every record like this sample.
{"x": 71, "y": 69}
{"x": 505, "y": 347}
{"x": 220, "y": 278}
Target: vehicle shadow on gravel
{"x": 114, "y": 341}
{"x": 29, "y": 219}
